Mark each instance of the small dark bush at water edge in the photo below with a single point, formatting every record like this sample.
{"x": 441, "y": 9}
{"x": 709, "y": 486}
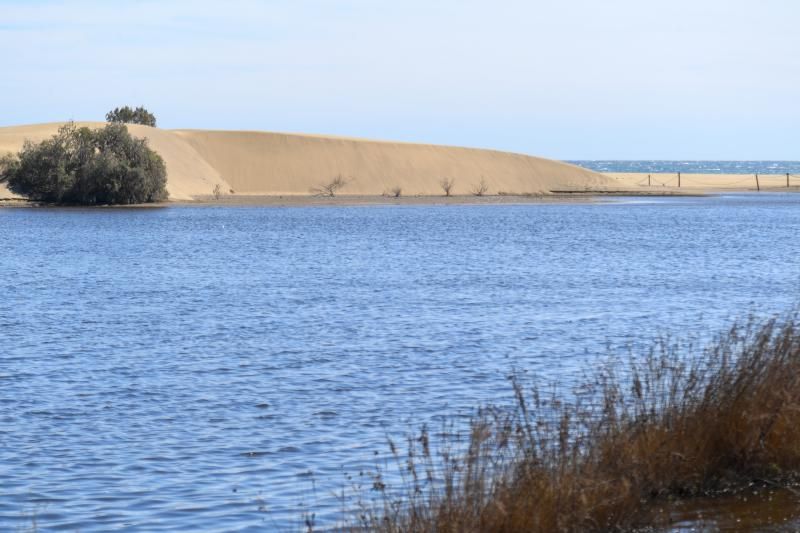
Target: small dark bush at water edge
{"x": 613, "y": 457}
{"x": 87, "y": 167}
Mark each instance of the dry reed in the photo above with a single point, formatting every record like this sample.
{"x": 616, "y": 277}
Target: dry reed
{"x": 672, "y": 426}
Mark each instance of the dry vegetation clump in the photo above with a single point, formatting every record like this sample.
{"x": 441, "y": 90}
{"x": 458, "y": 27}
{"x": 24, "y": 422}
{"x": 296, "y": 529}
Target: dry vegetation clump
{"x": 481, "y": 188}
{"x": 330, "y": 189}
{"x": 672, "y": 426}
{"x": 447, "y": 185}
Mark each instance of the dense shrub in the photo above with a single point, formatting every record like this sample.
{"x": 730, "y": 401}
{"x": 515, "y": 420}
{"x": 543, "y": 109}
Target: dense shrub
{"x": 126, "y": 115}
{"x": 83, "y": 166}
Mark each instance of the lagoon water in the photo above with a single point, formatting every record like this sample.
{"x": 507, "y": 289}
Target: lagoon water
{"x": 213, "y": 368}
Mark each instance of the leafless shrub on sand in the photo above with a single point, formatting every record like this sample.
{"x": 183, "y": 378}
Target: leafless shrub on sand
{"x": 481, "y": 188}
{"x": 447, "y": 185}
{"x": 330, "y": 188}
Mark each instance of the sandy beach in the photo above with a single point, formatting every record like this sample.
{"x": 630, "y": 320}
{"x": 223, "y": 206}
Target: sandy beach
{"x": 705, "y": 183}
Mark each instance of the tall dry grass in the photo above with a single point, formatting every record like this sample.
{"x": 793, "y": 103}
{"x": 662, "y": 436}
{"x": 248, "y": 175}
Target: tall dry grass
{"x": 672, "y": 425}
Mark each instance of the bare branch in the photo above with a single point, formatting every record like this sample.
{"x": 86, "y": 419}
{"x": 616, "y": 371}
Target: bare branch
{"x": 481, "y": 188}
{"x": 330, "y": 188}
{"x": 447, "y": 185}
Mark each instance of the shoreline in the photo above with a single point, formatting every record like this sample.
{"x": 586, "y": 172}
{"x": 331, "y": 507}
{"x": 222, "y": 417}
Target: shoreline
{"x": 562, "y": 197}
{"x": 236, "y": 200}
{"x": 692, "y": 185}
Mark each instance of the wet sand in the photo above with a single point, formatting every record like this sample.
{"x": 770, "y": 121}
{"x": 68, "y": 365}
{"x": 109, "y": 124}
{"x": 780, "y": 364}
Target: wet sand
{"x": 353, "y": 200}
{"x": 232, "y": 200}
{"x": 755, "y": 509}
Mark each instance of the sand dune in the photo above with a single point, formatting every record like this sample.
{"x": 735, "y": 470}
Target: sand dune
{"x": 261, "y": 163}
{"x": 275, "y": 163}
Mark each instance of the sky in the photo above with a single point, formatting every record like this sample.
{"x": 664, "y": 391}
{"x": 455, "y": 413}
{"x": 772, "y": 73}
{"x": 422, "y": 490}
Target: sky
{"x": 567, "y": 79}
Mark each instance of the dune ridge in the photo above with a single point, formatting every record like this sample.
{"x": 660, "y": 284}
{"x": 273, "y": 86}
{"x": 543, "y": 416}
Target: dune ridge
{"x": 265, "y": 163}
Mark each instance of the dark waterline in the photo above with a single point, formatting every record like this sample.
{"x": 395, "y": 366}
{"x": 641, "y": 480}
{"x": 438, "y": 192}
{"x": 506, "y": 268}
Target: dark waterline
{"x": 189, "y": 368}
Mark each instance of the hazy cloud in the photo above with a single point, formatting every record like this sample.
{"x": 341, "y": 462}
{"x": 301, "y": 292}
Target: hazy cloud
{"x": 568, "y": 79}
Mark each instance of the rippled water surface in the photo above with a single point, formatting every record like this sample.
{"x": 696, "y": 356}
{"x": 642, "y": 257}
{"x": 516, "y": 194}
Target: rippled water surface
{"x": 215, "y": 368}
{"x": 695, "y": 167}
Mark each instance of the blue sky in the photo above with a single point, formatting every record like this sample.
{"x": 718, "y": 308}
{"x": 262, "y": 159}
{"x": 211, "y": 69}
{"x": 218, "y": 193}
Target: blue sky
{"x": 569, "y": 79}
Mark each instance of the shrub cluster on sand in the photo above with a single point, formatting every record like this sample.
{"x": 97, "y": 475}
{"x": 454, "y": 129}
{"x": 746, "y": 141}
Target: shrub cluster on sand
{"x": 126, "y": 115}
{"x": 675, "y": 426}
{"x": 83, "y": 166}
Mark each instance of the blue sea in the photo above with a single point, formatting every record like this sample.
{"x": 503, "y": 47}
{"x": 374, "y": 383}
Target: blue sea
{"x": 693, "y": 167}
{"x": 226, "y": 368}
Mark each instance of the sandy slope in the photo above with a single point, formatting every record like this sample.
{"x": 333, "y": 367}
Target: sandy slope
{"x": 275, "y": 163}
{"x": 285, "y": 164}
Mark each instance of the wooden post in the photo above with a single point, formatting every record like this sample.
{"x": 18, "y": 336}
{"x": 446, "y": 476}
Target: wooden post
{"x": 758, "y": 188}
{"x": 787, "y": 180}
{"x": 679, "y": 179}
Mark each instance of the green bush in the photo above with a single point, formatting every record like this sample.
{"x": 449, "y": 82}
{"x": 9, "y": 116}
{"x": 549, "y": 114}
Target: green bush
{"x": 87, "y": 167}
{"x": 126, "y": 115}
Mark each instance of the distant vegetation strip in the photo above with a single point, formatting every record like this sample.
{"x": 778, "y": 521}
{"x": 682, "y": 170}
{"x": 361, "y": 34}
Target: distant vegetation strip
{"x": 672, "y": 426}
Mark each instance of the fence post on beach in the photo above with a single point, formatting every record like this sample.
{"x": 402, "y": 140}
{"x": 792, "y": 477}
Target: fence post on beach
{"x": 648, "y": 179}
{"x": 787, "y": 180}
{"x": 679, "y": 179}
{"x": 758, "y": 188}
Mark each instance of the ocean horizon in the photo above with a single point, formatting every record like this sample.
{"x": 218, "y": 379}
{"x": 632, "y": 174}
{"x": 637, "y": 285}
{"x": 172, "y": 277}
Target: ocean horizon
{"x": 657, "y": 166}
